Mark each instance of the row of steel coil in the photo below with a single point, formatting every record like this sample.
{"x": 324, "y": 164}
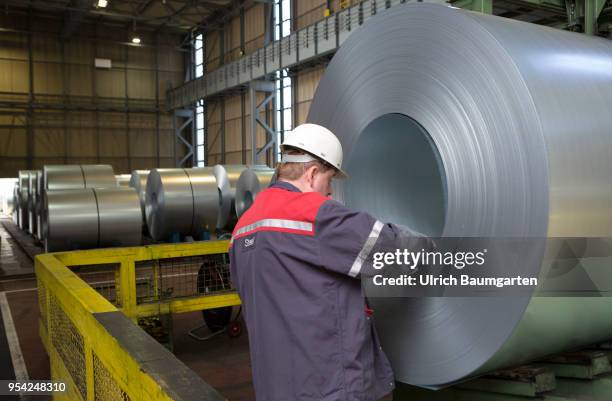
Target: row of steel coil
{"x": 69, "y": 207}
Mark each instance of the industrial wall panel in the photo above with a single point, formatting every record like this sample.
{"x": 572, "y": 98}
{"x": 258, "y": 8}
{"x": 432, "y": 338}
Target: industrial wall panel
{"x": 141, "y": 56}
{"x": 113, "y": 142}
{"x": 141, "y": 84}
{"x": 63, "y": 73}
{"x": 110, "y": 83}
{"x": 166, "y": 143}
{"x": 13, "y": 142}
{"x": 49, "y": 141}
{"x": 79, "y": 51}
{"x": 45, "y": 49}
{"x": 168, "y": 58}
{"x": 49, "y": 78}
{"x": 79, "y": 80}
{"x": 254, "y": 26}
{"x": 13, "y": 46}
{"x": 14, "y": 77}
{"x": 82, "y": 143}
{"x": 308, "y": 12}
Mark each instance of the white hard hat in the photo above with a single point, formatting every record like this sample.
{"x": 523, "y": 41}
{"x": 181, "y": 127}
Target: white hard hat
{"x": 319, "y": 142}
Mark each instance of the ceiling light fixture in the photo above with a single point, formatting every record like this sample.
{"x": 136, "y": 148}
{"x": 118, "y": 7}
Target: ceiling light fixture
{"x": 136, "y": 40}
{"x": 101, "y": 3}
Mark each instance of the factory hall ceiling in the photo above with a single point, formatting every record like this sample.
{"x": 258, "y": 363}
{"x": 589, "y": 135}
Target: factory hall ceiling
{"x": 181, "y": 15}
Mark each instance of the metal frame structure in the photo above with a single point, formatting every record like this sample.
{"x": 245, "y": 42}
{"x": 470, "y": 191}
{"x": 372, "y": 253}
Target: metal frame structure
{"x": 325, "y": 37}
{"x": 93, "y": 343}
{"x": 183, "y": 122}
{"x": 269, "y": 88}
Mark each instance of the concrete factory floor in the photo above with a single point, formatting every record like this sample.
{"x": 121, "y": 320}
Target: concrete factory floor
{"x": 222, "y": 361}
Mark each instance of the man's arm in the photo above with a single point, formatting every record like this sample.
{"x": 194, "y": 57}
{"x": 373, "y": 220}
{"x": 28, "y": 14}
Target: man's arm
{"x": 347, "y": 239}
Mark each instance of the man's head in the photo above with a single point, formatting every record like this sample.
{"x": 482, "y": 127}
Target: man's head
{"x": 311, "y": 157}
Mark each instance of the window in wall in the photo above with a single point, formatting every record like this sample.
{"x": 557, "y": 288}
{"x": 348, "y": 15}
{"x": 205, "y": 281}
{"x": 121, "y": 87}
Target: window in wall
{"x": 198, "y": 62}
{"x": 284, "y": 96}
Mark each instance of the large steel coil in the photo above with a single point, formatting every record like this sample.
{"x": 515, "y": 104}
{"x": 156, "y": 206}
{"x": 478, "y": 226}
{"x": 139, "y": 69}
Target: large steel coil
{"x": 99, "y": 176}
{"x": 32, "y": 201}
{"x": 23, "y": 181}
{"x": 78, "y": 176}
{"x": 461, "y": 124}
{"x": 123, "y": 180}
{"x": 252, "y": 181}
{"x": 181, "y": 201}
{"x": 227, "y": 178}
{"x": 63, "y": 177}
{"x": 91, "y": 218}
{"x": 138, "y": 181}
{"x": 16, "y": 211}
{"x": 205, "y": 199}
{"x": 119, "y": 217}
{"x": 38, "y": 205}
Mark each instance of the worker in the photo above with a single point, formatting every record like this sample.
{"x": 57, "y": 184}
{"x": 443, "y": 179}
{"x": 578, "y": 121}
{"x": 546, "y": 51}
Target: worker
{"x": 296, "y": 257}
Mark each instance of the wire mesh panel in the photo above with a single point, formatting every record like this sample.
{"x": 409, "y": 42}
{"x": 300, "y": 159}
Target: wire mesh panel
{"x": 182, "y": 277}
{"x": 105, "y": 387}
{"x": 42, "y": 303}
{"x": 147, "y": 281}
{"x": 102, "y": 278}
{"x": 68, "y": 342}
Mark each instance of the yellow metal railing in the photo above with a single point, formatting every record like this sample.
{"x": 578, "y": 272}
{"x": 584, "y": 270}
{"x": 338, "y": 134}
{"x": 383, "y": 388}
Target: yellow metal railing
{"x": 83, "y": 331}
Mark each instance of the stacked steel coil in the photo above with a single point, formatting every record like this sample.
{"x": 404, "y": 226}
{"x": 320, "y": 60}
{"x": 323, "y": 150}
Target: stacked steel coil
{"x": 123, "y": 180}
{"x": 227, "y": 178}
{"x": 91, "y": 218}
{"x": 23, "y": 181}
{"x": 138, "y": 181}
{"x": 32, "y": 201}
{"x": 252, "y": 181}
{"x": 16, "y": 211}
{"x": 462, "y": 124}
{"x": 181, "y": 202}
{"x": 71, "y": 177}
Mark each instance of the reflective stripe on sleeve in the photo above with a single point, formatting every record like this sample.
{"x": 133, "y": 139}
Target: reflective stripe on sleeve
{"x": 367, "y": 248}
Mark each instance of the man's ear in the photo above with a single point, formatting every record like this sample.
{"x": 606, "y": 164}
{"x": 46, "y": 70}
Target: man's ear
{"x": 310, "y": 173}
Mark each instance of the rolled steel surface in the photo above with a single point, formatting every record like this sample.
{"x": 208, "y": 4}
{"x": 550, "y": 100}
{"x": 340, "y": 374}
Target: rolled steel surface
{"x": 168, "y": 203}
{"x": 120, "y": 218}
{"x": 123, "y": 180}
{"x": 227, "y": 177}
{"x": 72, "y": 220}
{"x": 462, "y": 124}
{"x": 24, "y": 194}
{"x": 32, "y": 201}
{"x": 99, "y": 176}
{"x": 138, "y": 181}
{"x": 16, "y": 211}
{"x": 251, "y": 182}
{"x": 205, "y": 199}
{"x": 38, "y": 204}
{"x": 63, "y": 177}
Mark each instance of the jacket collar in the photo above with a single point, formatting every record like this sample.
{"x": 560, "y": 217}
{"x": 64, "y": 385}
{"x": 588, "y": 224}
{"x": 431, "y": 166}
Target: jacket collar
{"x": 285, "y": 185}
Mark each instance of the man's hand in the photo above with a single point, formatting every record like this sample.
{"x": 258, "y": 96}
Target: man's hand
{"x": 414, "y": 241}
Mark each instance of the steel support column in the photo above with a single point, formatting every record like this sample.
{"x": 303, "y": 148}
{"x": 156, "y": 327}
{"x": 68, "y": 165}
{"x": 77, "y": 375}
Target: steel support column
{"x": 269, "y": 88}
{"x": 183, "y": 124}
